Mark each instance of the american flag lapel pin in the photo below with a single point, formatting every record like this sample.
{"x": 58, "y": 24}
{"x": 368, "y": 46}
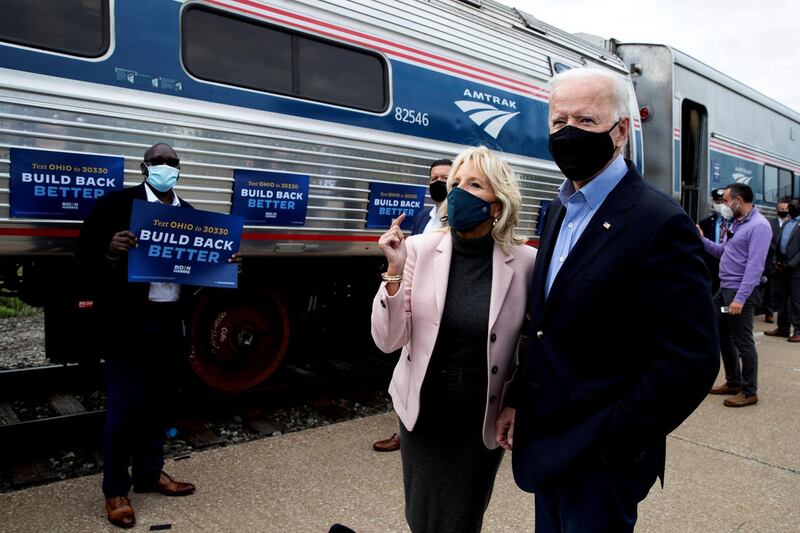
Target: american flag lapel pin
{"x": 606, "y": 225}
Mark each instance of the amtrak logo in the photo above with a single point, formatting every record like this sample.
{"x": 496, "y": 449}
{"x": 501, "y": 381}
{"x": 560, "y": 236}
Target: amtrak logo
{"x": 485, "y": 114}
{"x": 744, "y": 179}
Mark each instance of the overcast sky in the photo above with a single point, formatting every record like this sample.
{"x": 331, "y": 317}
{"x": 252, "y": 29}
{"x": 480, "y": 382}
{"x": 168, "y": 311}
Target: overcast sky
{"x": 756, "y": 41}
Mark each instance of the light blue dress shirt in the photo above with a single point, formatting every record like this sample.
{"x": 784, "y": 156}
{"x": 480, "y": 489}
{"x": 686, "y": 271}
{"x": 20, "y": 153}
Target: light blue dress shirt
{"x": 787, "y": 233}
{"x": 581, "y": 206}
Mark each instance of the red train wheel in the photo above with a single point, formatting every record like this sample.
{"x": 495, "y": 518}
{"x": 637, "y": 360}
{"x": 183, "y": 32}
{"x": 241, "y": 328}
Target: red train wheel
{"x": 239, "y": 337}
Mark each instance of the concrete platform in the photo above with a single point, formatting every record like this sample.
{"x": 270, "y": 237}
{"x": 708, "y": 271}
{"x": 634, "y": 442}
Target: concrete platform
{"x": 728, "y": 470}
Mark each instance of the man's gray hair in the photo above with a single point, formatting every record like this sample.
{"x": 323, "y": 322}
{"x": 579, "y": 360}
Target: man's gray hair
{"x": 620, "y": 97}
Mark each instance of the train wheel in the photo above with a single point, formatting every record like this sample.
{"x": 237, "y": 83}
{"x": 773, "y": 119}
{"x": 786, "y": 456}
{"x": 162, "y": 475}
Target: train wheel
{"x": 239, "y": 337}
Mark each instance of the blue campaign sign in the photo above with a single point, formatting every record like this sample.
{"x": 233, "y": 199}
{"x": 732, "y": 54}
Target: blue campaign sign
{"x": 180, "y": 245}
{"x": 270, "y": 198}
{"x": 387, "y": 201}
{"x": 48, "y": 184}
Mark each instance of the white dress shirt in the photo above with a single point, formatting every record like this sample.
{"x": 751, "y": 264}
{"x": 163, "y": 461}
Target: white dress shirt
{"x": 163, "y": 292}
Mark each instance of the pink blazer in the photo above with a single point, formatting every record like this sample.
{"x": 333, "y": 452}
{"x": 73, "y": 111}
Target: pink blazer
{"x": 410, "y": 319}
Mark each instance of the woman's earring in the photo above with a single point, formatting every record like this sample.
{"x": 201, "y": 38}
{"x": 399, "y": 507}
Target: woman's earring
{"x": 494, "y": 221}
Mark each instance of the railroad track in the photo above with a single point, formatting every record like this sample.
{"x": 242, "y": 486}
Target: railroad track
{"x": 61, "y": 408}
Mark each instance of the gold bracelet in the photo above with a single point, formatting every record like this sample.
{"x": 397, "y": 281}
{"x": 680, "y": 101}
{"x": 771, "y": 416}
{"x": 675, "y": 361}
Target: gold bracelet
{"x": 392, "y": 278}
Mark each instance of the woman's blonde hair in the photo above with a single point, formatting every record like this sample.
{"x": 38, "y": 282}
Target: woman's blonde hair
{"x": 506, "y": 189}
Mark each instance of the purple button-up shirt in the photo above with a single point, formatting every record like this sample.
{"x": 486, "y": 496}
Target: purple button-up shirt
{"x": 742, "y": 257}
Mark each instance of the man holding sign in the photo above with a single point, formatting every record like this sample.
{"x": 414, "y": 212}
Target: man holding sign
{"x": 145, "y": 338}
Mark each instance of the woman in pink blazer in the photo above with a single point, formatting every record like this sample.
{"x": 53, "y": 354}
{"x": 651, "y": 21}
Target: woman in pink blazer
{"x": 454, "y": 301}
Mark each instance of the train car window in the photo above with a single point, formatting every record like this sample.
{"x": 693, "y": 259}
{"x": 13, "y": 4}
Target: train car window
{"x": 784, "y": 183}
{"x": 75, "y": 27}
{"x": 340, "y": 75}
{"x": 796, "y": 188}
{"x": 237, "y": 51}
{"x": 770, "y": 185}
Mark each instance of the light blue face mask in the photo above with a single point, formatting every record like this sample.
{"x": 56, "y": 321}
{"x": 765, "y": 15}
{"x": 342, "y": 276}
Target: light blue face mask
{"x": 162, "y": 177}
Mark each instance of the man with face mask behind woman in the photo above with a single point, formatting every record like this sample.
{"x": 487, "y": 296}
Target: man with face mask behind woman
{"x": 425, "y": 221}
{"x": 455, "y": 301}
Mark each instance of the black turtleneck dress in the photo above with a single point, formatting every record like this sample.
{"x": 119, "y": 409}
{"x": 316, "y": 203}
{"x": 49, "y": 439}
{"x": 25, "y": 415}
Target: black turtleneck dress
{"x": 447, "y": 471}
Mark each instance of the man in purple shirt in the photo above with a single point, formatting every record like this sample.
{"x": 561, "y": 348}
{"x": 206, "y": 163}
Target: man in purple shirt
{"x": 742, "y": 255}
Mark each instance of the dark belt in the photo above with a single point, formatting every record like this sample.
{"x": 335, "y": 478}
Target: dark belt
{"x": 162, "y": 308}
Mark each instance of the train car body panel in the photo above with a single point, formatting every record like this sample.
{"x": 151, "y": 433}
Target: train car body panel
{"x": 480, "y": 85}
{"x": 707, "y": 130}
{"x": 422, "y": 80}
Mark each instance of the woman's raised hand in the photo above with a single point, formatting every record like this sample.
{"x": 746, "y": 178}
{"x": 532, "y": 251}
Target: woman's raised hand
{"x": 394, "y": 247}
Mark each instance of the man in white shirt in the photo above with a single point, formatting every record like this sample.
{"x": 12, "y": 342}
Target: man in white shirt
{"x": 143, "y": 339}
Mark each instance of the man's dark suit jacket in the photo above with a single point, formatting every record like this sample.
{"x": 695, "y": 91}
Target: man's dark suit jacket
{"x": 624, "y": 348}
{"x": 420, "y": 221}
{"x": 769, "y": 267}
{"x": 118, "y": 303}
{"x": 792, "y": 255}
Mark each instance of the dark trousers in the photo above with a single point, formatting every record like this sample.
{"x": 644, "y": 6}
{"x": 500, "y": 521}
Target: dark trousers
{"x": 599, "y": 498}
{"x": 736, "y": 340}
{"x": 787, "y": 298}
{"x": 770, "y": 301}
{"x": 140, "y": 391}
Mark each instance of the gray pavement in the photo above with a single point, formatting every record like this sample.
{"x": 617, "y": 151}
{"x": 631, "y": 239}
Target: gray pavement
{"x": 727, "y": 470}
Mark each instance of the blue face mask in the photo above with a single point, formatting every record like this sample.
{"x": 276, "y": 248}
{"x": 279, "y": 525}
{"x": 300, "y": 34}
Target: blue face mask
{"x": 162, "y": 177}
{"x": 465, "y": 211}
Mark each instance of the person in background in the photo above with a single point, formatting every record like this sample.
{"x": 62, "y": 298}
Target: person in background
{"x": 742, "y": 254}
{"x": 427, "y": 220}
{"x": 771, "y": 300}
{"x": 143, "y": 340}
{"x": 455, "y": 301}
{"x": 787, "y": 274}
{"x": 622, "y": 344}
{"x": 714, "y": 225}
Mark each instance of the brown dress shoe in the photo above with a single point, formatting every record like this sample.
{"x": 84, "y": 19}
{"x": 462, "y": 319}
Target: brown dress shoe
{"x": 725, "y": 389}
{"x": 168, "y": 486}
{"x": 387, "y": 445}
{"x": 120, "y": 512}
{"x": 794, "y": 338}
{"x": 776, "y": 333}
{"x": 741, "y": 400}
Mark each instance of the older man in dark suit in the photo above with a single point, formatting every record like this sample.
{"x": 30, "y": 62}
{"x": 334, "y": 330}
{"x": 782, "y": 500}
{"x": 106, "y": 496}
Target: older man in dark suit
{"x": 623, "y": 343}
{"x": 143, "y": 338}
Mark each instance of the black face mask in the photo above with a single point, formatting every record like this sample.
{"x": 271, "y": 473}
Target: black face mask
{"x": 783, "y": 214}
{"x": 438, "y": 190}
{"x": 581, "y": 154}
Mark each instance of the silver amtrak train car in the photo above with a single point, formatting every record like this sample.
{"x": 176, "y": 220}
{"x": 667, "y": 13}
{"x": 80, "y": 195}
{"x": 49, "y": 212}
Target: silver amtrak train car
{"x": 344, "y": 94}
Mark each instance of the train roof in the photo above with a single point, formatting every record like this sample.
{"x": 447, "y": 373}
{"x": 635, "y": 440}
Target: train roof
{"x": 698, "y": 67}
{"x": 482, "y": 29}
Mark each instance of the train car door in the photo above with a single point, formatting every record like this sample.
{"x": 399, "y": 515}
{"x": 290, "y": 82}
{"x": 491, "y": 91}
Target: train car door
{"x": 694, "y": 155}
